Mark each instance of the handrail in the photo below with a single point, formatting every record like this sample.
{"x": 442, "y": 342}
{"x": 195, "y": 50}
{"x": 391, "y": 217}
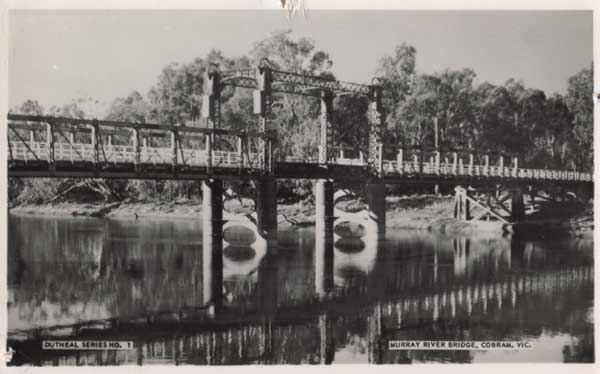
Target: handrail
{"x": 132, "y": 125}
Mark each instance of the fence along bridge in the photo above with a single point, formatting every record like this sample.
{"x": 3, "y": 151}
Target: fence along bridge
{"x": 42, "y": 146}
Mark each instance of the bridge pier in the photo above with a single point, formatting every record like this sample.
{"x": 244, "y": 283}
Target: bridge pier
{"x": 517, "y": 206}
{"x": 212, "y": 243}
{"x": 266, "y": 207}
{"x": 268, "y": 282}
{"x": 462, "y": 205}
{"x": 326, "y": 340}
{"x": 324, "y": 202}
{"x": 376, "y": 202}
{"x": 584, "y": 192}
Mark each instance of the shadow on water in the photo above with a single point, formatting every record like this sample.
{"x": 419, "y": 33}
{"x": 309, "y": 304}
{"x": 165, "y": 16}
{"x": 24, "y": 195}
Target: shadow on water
{"x": 302, "y": 299}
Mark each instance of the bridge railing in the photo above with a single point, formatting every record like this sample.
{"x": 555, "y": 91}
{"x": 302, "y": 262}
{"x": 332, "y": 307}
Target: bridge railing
{"x": 342, "y": 155}
{"x": 413, "y": 161}
{"x": 54, "y": 139}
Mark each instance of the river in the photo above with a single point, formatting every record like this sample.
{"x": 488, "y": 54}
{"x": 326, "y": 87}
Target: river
{"x": 282, "y": 305}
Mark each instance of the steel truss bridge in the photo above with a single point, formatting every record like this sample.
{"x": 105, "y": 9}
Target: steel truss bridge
{"x": 41, "y": 146}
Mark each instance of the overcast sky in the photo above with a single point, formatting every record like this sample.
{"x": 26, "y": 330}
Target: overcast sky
{"x": 58, "y": 56}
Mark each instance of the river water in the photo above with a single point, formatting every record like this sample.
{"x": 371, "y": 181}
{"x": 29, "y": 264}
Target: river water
{"x": 282, "y": 306}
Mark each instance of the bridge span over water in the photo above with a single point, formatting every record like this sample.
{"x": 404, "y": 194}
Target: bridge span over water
{"x": 487, "y": 186}
{"x": 42, "y": 146}
{"x": 64, "y": 147}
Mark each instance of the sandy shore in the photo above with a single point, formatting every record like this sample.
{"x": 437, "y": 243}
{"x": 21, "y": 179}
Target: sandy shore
{"x": 425, "y": 212}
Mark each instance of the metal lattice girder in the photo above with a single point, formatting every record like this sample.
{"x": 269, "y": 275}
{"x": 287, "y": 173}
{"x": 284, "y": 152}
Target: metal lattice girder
{"x": 239, "y": 78}
{"x": 211, "y": 101}
{"x": 320, "y": 83}
{"x": 229, "y": 75}
{"x": 326, "y": 130}
{"x": 295, "y": 83}
{"x": 263, "y": 101}
{"x": 376, "y": 127}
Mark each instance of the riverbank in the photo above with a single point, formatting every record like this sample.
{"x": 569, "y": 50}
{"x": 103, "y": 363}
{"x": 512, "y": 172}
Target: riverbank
{"x": 423, "y": 212}
{"x": 416, "y": 212}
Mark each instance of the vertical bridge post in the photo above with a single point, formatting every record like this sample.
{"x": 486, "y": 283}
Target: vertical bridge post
{"x": 266, "y": 207}
{"x": 454, "y": 163}
{"x": 376, "y": 202}
{"x": 486, "y": 167}
{"x": 136, "y": 148}
{"x": 174, "y": 145}
{"x": 326, "y": 135}
{"x": 416, "y": 162}
{"x": 212, "y": 242}
{"x": 324, "y": 219}
{"x": 263, "y": 99}
{"x": 376, "y": 189}
{"x": 208, "y": 144}
{"x": 471, "y": 164}
{"x": 240, "y": 149}
{"x": 211, "y": 110}
{"x": 462, "y": 205}
{"x": 517, "y": 207}
{"x": 376, "y": 127}
{"x": 400, "y": 160}
{"x": 95, "y": 135}
{"x": 50, "y": 146}
{"x": 31, "y": 144}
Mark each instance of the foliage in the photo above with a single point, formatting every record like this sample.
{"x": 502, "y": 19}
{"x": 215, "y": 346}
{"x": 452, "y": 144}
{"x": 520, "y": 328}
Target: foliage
{"x": 580, "y": 103}
{"x": 511, "y": 119}
{"x": 397, "y": 74}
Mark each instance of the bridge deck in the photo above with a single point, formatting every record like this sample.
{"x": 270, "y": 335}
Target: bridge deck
{"x": 32, "y": 159}
{"x": 65, "y": 147}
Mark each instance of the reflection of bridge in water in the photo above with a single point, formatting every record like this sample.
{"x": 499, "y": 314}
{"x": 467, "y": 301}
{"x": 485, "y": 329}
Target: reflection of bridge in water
{"x": 239, "y": 333}
{"x": 233, "y": 338}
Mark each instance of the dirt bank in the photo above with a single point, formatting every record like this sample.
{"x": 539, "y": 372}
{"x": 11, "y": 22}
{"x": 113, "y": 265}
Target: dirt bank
{"x": 424, "y": 212}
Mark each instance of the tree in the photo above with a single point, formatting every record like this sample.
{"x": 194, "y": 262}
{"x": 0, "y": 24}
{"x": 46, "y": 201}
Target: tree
{"x": 132, "y": 108}
{"x": 447, "y": 96}
{"x": 295, "y": 117}
{"x": 558, "y": 137}
{"x": 287, "y": 53}
{"x": 350, "y": 117}
{"x": 580, "y": 102}
{"x": 397, "y": 74}
{"x": 175, "y": 97}
{"x": 494, "y": 120}
{"x": 294, "y": 114}
{"x": 31, "y": 107}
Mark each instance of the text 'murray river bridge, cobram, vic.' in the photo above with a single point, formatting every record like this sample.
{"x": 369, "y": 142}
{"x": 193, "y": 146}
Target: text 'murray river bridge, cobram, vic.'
{"x": 486, "y": 186}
